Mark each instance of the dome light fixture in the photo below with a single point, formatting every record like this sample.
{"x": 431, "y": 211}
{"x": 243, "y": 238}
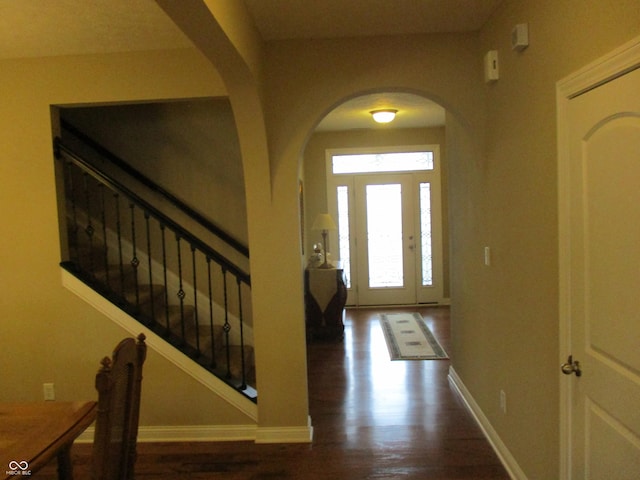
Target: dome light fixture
{"x": 384, "y": 116}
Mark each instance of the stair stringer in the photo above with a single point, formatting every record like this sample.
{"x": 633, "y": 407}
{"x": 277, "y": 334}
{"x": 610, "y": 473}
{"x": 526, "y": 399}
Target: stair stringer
{"x": 159, "y": 345}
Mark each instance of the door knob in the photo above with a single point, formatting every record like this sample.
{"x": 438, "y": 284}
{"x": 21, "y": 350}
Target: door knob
{"x": 571, "y": 366}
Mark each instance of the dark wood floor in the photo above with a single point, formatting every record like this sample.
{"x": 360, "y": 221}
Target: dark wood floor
{"x": 373, "y": 419}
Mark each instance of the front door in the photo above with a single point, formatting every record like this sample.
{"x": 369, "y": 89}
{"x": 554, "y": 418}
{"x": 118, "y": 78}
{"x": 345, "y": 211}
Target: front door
{"x": 601, "y": 186}
{"x": 389, "y": 238}
{"x": 386, "y": 240}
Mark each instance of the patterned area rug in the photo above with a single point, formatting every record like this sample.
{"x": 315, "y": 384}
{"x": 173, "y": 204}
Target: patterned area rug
{"x": 409, "y": 338}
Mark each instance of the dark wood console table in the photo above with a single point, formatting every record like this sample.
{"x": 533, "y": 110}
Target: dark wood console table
{"x": 325, "y": 297}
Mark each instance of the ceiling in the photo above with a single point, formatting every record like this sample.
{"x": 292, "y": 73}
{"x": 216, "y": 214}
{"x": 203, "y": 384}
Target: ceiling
{"x": 43, "y": 28}
{"x": 285, "y": 19}
{"x": 40, "y": 28}
{"x": 413, "y": 112}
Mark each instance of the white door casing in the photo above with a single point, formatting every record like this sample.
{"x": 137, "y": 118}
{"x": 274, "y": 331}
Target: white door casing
{"x": 599, "y": 231}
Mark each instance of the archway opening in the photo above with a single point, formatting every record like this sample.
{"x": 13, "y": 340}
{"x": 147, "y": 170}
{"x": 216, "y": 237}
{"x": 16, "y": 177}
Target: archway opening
{"x": 349, "y": 129}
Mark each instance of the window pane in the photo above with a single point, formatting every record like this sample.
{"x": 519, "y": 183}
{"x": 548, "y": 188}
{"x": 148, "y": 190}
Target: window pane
{"x": 343, "y": 232}
{"x": 383, "y": 162}
{"x": 384, "y": 235}
{"x": 425, "y": 234}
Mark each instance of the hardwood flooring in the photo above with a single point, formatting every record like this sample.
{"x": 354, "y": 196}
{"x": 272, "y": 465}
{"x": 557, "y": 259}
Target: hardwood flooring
{"x": 373, "y": 419}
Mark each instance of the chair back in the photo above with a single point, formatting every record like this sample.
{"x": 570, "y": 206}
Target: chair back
{"x": 118, "y": 382}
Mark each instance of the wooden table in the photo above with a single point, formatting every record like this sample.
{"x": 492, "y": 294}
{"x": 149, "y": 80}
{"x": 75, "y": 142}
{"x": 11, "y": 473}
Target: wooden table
{"x": 33, "y": 433}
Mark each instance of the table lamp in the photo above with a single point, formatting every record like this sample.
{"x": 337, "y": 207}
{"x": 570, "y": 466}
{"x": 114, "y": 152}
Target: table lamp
{"x": 324, "y": 223}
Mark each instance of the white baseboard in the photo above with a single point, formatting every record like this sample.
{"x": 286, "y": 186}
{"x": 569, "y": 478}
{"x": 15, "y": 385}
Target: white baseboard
{"x": 216, "y": 433}
{"x": 302, "y": 434}
{"x": 505, "y": 456}
{"x": 186, "y": 433}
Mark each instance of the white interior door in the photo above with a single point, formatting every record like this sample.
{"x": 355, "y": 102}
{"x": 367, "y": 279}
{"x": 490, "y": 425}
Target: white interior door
{"x": 602, "y": 281}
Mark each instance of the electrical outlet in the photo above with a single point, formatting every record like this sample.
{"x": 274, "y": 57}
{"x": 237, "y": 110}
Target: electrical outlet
{"x": 503, "y": 401}
{"x": 49, "y": 391}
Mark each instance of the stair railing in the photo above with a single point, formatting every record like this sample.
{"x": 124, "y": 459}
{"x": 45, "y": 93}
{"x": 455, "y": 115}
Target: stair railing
{"x": 154, "y": 187}
{"x": 137, "y": 256}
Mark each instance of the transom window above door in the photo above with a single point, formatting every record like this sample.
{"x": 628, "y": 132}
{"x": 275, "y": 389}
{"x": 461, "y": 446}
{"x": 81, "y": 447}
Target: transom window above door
{"x": 382, "y": 162}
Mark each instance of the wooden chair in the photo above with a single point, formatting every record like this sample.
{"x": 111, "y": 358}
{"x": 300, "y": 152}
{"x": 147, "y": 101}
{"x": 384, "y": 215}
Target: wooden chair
{"x": 118, "y": 382}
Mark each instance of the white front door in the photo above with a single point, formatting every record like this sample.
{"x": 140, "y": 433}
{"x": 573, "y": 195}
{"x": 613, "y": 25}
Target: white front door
{"x": 386, "y": 240}
{"x": 600, "y": 288}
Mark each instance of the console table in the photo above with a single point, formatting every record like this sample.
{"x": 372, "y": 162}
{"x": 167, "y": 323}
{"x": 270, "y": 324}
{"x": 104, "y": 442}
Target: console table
{"x": 325, "y": 297}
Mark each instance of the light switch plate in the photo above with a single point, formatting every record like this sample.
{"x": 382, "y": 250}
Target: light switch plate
{"x": 491, "y": 69}
{"x": 49, "y": 391}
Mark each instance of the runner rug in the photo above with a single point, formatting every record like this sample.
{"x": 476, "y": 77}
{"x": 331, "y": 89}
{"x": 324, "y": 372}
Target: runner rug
{"x": 409, "y": 338}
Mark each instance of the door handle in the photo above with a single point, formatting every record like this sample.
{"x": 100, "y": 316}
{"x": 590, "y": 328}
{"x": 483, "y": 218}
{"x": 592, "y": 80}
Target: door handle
{"x": 571, "y": 366}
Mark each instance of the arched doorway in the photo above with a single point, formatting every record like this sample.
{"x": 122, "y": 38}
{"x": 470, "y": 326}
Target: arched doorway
{"x": 405, "y": 262}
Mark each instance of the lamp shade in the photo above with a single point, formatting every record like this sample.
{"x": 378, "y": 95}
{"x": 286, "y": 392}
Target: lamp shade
{"x": 324, "y": 222}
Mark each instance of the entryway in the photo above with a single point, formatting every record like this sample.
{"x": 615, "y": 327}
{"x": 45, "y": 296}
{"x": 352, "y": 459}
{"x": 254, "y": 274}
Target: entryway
{"x": 387, "y": 203}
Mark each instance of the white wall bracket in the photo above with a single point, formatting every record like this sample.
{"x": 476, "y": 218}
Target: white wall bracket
{"x": 520, "y": 37}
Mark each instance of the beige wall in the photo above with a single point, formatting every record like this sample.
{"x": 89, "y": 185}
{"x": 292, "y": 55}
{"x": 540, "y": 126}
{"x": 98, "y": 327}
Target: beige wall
{"x": 506, "y": 316}
{"x": 47, "y": 333}
{"x": 315, "y": 178}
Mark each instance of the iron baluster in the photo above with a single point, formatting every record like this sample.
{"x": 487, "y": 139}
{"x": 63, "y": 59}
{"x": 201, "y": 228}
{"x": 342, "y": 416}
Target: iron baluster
{"x": 134, "y": 254}
{"x": 164, "y": 275}
{"x": 227, "y": 327}
{"x": 105, "y": 248}
{"x": 152, "y": 303}
{"x": 213, "y": 342}
{"x": 241, "y": 320}
{"x": 74, "y": 213}
{"x": 181, "y": 293}
{"x": 89, "y": 230}
{"x": 195, "y": 297}
{"x": 119, "y": 235}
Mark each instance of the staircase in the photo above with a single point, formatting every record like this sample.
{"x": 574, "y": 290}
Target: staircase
{"x": 155, "y": 270}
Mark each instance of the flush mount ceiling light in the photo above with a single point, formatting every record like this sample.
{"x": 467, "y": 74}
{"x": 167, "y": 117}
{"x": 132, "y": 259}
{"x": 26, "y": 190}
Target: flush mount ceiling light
{"x": 384, "y": 116}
